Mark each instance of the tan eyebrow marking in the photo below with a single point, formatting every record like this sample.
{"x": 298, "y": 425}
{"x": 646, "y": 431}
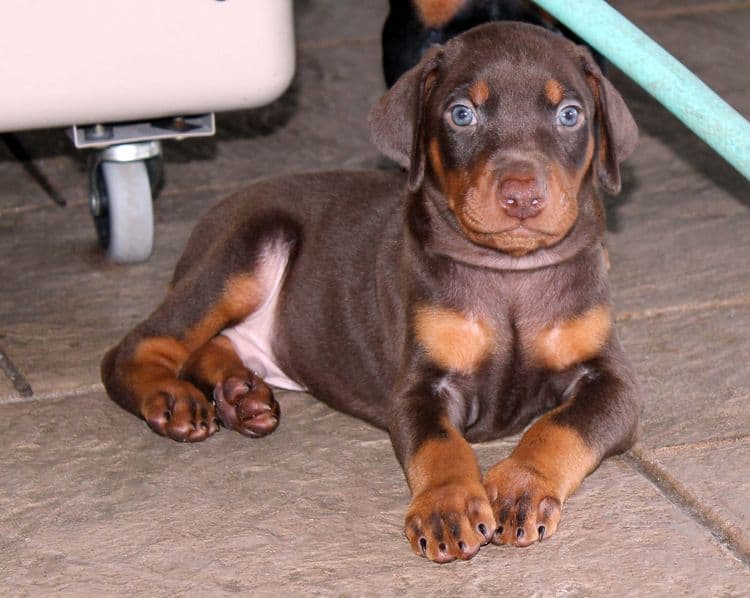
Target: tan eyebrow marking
{"x": 553, "y": 91}
{"x": 479, "y": 92}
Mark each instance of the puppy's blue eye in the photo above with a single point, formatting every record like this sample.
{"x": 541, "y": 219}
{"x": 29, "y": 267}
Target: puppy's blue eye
{"x": 568, "y": 116}
{"x": 462, "y": 116}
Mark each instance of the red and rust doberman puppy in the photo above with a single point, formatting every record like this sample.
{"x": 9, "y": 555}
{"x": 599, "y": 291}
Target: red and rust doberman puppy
{"x": 449, "y": 306}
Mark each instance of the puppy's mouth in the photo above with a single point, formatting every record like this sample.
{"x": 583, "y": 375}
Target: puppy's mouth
{"x": 517, "y": 227}
{"x": 517, "y": 238}
{"x": 518, "y": 230}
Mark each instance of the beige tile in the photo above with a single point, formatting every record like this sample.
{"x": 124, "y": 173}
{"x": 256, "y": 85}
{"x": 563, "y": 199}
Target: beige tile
{"x": 93, "y": 502}
{"x": 64, "y": 303}
{"x": 694, "y": 375}
{"x": 664, "y": 256}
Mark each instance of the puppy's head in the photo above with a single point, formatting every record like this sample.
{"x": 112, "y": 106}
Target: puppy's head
{"x": 507, "y": 124}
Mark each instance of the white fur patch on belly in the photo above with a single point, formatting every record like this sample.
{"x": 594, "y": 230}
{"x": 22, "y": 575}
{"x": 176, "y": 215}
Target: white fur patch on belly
{"x": 252, "y": 337}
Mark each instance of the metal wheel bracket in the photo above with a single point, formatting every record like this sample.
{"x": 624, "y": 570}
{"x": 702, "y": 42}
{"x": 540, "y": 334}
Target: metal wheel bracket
{"x": 175, "y": 127}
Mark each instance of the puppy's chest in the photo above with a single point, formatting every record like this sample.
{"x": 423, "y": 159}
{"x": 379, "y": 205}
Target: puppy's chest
{"x": 532, "y": 327}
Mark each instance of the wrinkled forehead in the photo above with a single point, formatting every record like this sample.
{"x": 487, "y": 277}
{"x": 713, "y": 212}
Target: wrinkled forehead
{"x": 512, "y": 62}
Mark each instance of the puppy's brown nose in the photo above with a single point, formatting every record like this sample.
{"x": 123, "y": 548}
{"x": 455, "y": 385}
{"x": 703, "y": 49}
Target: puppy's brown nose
{"x": 521, "y": 197}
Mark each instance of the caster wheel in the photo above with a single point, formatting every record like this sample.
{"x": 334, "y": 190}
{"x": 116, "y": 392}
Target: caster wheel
{"x": 155, "y": 168}
{"x": 122, "y": 208}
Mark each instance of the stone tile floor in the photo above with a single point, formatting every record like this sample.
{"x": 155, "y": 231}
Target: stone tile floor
{"x": 92, "y": 503}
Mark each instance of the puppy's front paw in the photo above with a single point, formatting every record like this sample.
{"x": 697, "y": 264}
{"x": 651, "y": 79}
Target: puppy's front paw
{"x": 246, "y": 404}
{"x": 179, "y": 410}
{"x": 526, "y": 506}
{"x": 450, "y": 521}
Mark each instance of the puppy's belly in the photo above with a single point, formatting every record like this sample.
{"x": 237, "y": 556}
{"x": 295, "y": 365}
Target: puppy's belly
{"x": 253, "y": 348}
{"x": 252, "y": 337}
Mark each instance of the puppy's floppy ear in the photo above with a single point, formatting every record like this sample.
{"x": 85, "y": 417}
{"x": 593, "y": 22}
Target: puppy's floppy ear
{"x": 615, "y": 130}
{"x": 396, "y": 121}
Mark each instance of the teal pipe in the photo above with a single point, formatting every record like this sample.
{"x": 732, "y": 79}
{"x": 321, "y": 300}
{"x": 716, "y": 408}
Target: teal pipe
{"x": 660, "y": 74}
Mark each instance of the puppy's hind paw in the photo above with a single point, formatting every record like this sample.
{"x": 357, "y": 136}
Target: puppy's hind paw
{"x": 181, "y": 412}
{"x": 246, "y": 404}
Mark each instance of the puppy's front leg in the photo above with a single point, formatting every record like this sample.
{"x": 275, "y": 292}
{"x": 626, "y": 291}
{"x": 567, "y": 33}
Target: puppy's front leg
{"x": 449, "y": 516}
{"x": 528, "y": 489}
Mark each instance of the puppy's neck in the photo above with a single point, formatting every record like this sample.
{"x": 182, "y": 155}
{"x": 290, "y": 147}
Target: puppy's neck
{"x": 438, "y": 232}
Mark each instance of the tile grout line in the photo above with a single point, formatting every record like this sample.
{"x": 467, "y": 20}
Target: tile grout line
{"x": 683, "y": 308}
{"x": 713, "y": 443}
{"x": 52, "y": 395}
{"x": 731, "y": 537}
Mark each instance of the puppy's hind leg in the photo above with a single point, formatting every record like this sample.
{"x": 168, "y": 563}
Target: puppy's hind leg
{"x": 216, "y": 286}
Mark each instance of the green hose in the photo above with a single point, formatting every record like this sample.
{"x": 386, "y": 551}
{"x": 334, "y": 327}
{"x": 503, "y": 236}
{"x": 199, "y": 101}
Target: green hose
{"x": 660, "y": 74}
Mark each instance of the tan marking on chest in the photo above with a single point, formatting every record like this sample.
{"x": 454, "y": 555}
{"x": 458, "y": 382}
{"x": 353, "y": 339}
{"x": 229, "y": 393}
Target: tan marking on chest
{"x": 454, "y": 341}
{"x": 437, "y": 13}
{"x": 573, "y": 341}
